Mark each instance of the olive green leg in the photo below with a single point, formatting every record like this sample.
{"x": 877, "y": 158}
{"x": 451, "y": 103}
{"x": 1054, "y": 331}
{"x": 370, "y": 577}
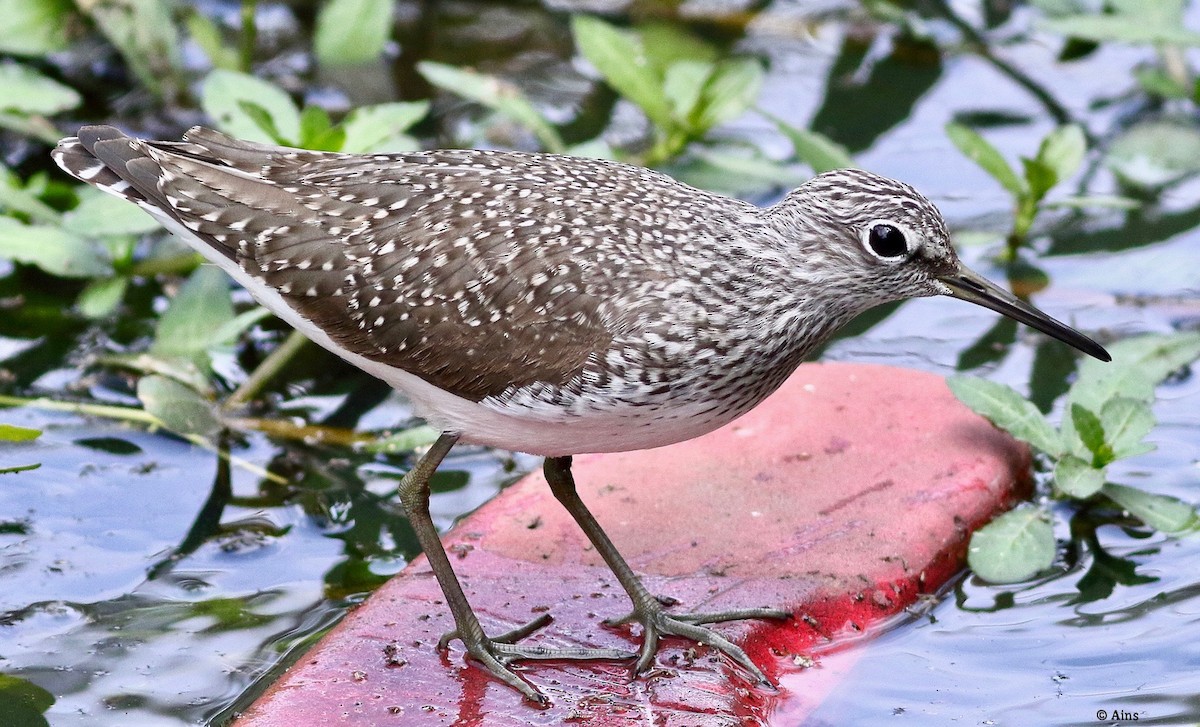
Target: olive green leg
{"x": 649, "y": 610}
{"x": 494, "y": 653}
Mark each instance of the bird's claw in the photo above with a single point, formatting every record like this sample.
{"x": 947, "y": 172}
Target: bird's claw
{"x": 656, "y": 622}
{"x": 507, "y": 637}
{"x": 496, "y": 653}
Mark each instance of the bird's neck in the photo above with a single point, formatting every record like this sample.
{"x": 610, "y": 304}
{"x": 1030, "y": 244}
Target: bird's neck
{"x": 795, "y": 293}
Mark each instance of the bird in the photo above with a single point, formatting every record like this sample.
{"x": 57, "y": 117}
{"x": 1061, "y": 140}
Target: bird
{"x": 546, "y": 304}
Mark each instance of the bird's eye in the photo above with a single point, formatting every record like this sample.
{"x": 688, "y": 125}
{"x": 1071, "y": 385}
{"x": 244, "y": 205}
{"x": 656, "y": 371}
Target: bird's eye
{"x": 887, "y": 241}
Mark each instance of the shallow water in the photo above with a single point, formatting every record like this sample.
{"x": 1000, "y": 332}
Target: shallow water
{"x": 137, "y": 596}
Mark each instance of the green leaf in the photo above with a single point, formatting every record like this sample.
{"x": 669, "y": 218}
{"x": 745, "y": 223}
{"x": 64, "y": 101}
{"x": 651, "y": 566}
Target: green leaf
{"x": 317, "y": 132}
{"x": 732, "y": 170}
{"x": 185, "y": 371}
{"x": 494, "y": 93}
{"x": 35, "y": 127}
{"x": 13, "y": 433}
{"x": 666, "y": 44}
{"x": 24, "y": 703}
{"x": 816, "y": 150}
{"x": 1014, "y": 547}
{"x": 266, "y": 123}
{"x": 1096, "y": 201}
{"x": 1126, "y": 423}
{"x": 1161, "y": 512}
{"x": 405, "y": 441}
{"x": 622, "y": 59}
{"x": 314, "y": 122}
{"x": 24, "y": 198}
{"x": 980, "y": 151}
{"x": 1133, "y": 21}
{"x": 683, "y": 85}
{"x": 1154, "y": 154}
{"x": 242, "y": 322}
{"x": 99, "y": 214}
{"x": 180, "y": 408}
{"x": 1008, "y": 410}
{"x": 100, "y": 297}
{"x": 1077, "y": 478}
{"x": 1063, "y": 150}
{"x": 189, "y": 326}
{"x": 1158, "y": 82}
{"x": 34, "y": 27}
{"x": 381, "y": 128}
{"x": 1039, "y": 178}
{"x": 1138, "y": 365}
{"x": 731, "y": 88}
{"x": 25, "y": 91}
{"x": 52, "y": 249}
{"x": 224, "y": 92}
{"x": 351, "y": 32}
{"x": 1091, "y": 433}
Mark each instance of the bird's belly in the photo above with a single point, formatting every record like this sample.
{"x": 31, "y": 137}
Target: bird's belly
{"x": 615, "y": 430}
{"x": 548, "y": 430}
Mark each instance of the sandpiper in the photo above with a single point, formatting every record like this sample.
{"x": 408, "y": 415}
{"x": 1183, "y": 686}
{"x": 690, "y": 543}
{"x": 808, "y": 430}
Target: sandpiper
{"x": 546, "y": 304}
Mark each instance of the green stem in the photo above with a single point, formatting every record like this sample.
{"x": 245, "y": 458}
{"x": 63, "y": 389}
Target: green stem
{"x": 1175, "y": 64}
{"x": 19, "y": 468}
{"x": 311, "y": 433}
{"x": 1027, "y": 210}
{"x": 124, "y": 413}
{"x": 129, "y": 414}
{"x": 249, "y": 35}
{"x": 184, "y": 262}
{"x": 267, "y": 370}
{"x": 35, "y": 126}
{"x": 976, "y": 42}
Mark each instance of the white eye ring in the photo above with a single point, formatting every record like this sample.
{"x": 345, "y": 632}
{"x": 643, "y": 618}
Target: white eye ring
{"x": 889, "y": 241}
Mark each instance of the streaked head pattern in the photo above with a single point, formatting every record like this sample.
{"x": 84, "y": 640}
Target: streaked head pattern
{"x": 880, "y": 241}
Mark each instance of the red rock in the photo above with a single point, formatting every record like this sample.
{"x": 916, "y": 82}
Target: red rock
{"x": 844, "y": 496}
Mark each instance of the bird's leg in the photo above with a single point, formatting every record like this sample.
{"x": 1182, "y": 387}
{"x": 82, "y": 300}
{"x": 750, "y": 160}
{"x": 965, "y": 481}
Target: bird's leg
{"x": 649, "y": 610}
{"x": 496, "y": 652}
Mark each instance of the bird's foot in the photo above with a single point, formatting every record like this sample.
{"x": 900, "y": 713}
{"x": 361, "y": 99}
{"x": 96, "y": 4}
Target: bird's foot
{"x": 495, "y": 653}
{"x": 656, "y": 622}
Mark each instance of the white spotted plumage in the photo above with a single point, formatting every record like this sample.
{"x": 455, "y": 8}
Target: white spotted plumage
{"x": 538, "y": 303}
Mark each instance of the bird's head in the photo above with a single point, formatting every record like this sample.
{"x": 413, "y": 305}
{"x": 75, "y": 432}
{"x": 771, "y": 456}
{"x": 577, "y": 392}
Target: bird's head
{"x": 883, "y": 240}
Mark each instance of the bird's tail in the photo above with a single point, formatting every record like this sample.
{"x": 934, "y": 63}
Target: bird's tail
{"x": 101, "y": 156}
{"x": 173, "y": 181}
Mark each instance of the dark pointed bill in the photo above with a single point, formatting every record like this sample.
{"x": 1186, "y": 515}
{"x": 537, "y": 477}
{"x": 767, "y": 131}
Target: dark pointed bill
{"x": 968, "y": 286}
